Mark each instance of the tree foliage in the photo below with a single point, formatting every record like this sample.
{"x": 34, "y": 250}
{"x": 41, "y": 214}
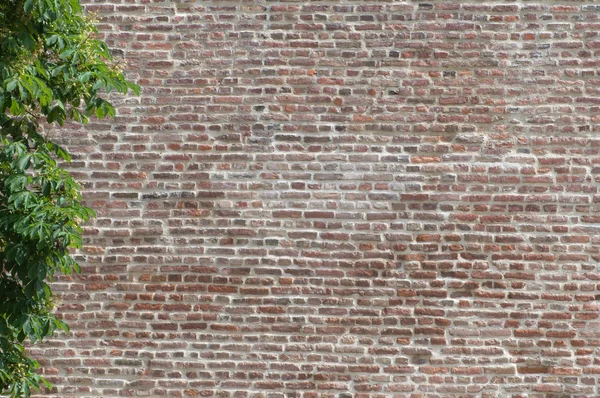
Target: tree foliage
{"x": 52, "y": 69}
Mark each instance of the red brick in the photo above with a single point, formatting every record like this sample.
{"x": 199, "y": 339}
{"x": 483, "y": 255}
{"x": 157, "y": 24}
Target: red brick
{"x": 339, "y": 198}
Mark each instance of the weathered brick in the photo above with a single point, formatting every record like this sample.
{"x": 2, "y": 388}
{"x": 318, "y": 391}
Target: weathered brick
{"x": 318, "y": 199}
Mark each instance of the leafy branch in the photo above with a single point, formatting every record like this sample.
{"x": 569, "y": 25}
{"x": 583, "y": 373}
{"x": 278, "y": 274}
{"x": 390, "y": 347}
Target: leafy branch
{"x": 52, "y": 69}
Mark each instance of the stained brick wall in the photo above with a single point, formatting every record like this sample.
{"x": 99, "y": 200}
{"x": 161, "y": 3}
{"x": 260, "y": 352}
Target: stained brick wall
{"x": 341, "y": 199}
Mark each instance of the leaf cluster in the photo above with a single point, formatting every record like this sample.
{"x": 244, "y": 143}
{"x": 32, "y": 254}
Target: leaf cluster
{"x": 53, "y": 68}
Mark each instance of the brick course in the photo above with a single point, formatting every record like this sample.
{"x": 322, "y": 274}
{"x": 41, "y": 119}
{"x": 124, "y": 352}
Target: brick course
{"x": 340, "y": 199}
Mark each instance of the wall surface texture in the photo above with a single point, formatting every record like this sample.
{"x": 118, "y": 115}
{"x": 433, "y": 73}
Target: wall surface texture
{"x": 340, "y": 199}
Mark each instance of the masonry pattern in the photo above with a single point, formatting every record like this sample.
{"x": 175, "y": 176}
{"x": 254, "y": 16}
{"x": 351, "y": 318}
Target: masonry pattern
{"x": 340, "y": 199}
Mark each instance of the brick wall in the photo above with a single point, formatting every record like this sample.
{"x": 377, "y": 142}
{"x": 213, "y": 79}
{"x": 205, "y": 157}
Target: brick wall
{"x": 341, "y": 199}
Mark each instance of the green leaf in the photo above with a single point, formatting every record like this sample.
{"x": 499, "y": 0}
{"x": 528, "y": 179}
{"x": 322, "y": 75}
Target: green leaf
{"x": 17, "y": 182}
{"x": 58, "y": 70}
{"x": 84, "y": 77}
{"x": 46, "y": 189}
{"x": 61, "y": 325}
{"x": 57, "y": 114}
{"x": 100, "y": 112}
{"x": 99, "y": 84}
{"x": 24, "y": 162}
{"x": 134, "y": 87}
{"x": 28, "y": 6}
{"x": 27, "y": 41}
{"x": 11, "y": 253}
{"x": 62, "y": 153}
{"x": 67, "y": 53}
{"x": 52, "y": 40}
{"x": 21, "y": 256}
{"x": 11, "y": 85}
{"x": 46, "y": 383}
{"x": 16, "y": 108}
